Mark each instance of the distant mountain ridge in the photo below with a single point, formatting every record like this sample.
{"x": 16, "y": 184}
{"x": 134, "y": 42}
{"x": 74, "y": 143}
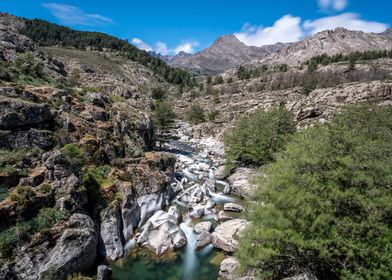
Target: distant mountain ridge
{"x": 330, "y": 42}
{"x": 225, "y": 53}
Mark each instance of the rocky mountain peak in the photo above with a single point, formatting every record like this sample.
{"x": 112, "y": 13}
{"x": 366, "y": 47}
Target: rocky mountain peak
{"x": 227, "y": 40}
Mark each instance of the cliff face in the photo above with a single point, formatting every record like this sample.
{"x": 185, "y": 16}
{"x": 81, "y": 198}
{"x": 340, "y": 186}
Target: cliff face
{"x": 76, "y": 156}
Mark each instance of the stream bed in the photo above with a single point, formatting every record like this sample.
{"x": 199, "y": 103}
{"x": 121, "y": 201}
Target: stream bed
{"x": 201, "y": 199}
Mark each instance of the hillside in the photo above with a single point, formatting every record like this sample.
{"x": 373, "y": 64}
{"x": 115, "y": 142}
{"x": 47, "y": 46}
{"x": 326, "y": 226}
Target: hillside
{"x": 49, "y": 34}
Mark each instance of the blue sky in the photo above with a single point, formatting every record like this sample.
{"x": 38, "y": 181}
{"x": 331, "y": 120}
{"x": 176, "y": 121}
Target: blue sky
{"x": 172, "y": 26}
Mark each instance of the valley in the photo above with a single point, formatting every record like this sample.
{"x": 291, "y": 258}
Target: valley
{"x": 235, "y": 162}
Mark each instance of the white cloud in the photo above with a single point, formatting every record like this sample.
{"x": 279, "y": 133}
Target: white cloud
{"x": 286, "y": 29}
{"x": 162, "y": 48}
{"x": 74, "y": 16}
{"x": 141, "y": 45}
{"x": 188, "y": 47}
{"x": 338, "y": 5}
{"x": 350, "y": 21}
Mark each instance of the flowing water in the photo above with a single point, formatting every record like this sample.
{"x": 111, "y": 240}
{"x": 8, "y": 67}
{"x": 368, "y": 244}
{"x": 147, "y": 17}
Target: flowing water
{"x": 187, "y": 263}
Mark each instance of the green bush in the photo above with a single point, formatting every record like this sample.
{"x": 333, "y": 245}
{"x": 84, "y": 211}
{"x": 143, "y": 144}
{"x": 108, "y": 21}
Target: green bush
{"x": 212, "y": 115}
{"x": 93, "y": 178}
{"x": 96, "y": 175}
{"x": 163, "y": 115}
{"x": 158, "y": 93}
{"x": 22, "y": 196}
{"x": 13, "y": 236}
{"x": 327, "y": 202}
{"x": 74, "y": 154}
{"x": 255, "y": 138}
{"x": 4, "y": 191}
{"x": 195, "y": 114}
{"x": 45, "y": 188}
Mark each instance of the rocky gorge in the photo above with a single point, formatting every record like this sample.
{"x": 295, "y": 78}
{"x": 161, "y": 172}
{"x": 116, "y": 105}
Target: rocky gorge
{"x": 203, "y": 215}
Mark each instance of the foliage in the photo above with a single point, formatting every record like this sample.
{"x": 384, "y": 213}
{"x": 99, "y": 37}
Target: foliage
{"x": 158, "y": 93}
{"x": 218, "y": 80}
{"x": 27, "y": 68}
{"x": 94, "y": 178}
{"x": 22, "y": 196}
{"x": 327, "y": 204}
{"x": 4, "y": 191}
{"x": 195, "y": 114}
{"x": 74, "y": 154}
{"x": 212, "y": 115}
{"x": 96, "y": 175}
{"x": 243, "y": 73}
{"x": 163, "y": 115}
{"x": 325, "y": 59}
{"x": 49, "y": 34}
{"x": 11, "y": 237}
{"x": 11, "y": 157}
{"x": 255, "y": 138}
{"x": 45, "y": 188}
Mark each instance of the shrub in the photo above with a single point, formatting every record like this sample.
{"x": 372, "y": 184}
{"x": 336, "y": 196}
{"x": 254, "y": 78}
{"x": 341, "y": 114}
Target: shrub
{"x": 96, "y": 175}
{"x": 327, "y": 202}
{"x": 255, "y": 138}
{"x": 45, "y": 188}
{"x": 163, "y": 115}
{"x": 22, "y": 196}
{"x": 158, "y": 93}
{"x": 74, "y": 154}
{"x": 195, "y": 114}
{"x": 13, "y": 236}
{"x": 4, "y": 191}
{"x": 30, "y": 65}
{"x": 94, "y": 178}
{"x": 46, "y": 218}
{"x": 218, "y": 80}
{"x": 212, "y": 115}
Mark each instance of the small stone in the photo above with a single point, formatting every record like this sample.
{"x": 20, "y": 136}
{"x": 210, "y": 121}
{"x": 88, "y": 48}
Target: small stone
{"x": 222, "y": 216}
{"x": 233, "y": 207}
{"x": 203, "y": 226}
{"x": 104, "y": 273}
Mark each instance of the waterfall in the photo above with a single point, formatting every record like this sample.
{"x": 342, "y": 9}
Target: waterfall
{"x": 189, "y": 175}
{"x": 221, "y": 198}
{"x": 190, "y": 262}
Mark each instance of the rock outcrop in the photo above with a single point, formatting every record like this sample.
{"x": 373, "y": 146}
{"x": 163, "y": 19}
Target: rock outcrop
{"x": 225, "y": 236}
{"x": 75, "y": 251}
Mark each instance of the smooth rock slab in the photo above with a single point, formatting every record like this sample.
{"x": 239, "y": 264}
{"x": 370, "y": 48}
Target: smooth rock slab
{"x": 226, "y": 234}
{"x": 162, "y": 234}
{"x": 75, "y": 251}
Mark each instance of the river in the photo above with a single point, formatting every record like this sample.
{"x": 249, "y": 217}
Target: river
{"x": 195, "y": 168}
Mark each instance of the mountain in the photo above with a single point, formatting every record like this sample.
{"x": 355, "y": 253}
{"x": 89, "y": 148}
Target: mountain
{"x": 225, "y": 53}
{"x": 387, "y": 33}
{"x": 330, "y": 42}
